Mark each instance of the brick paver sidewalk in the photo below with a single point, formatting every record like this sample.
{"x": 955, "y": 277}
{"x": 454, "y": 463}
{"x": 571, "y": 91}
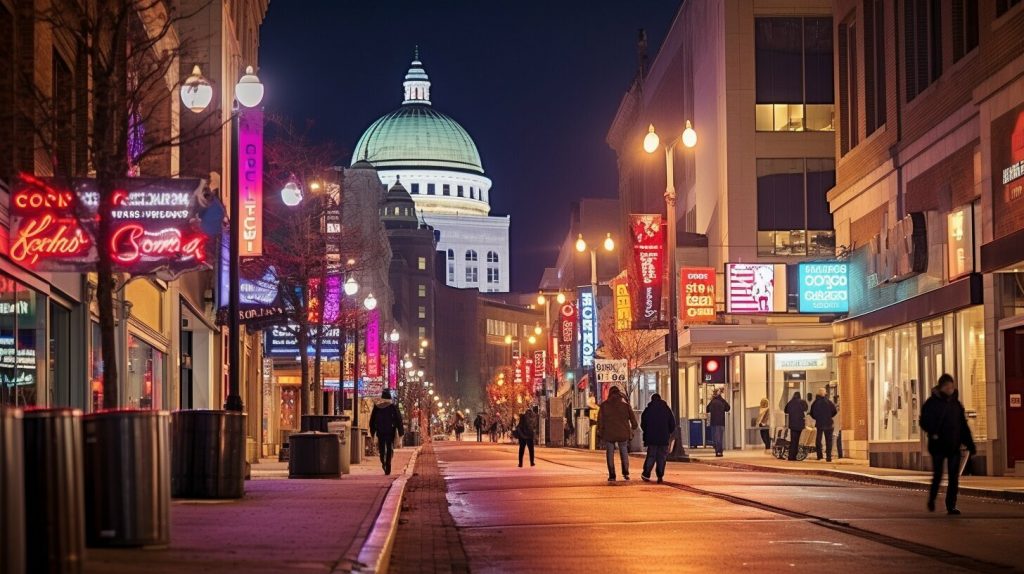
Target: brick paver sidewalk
{"x": 427, "y": 540}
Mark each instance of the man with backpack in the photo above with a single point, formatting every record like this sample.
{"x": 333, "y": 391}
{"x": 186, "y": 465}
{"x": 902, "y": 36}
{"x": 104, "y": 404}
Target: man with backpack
{"x": 385, "y": 422}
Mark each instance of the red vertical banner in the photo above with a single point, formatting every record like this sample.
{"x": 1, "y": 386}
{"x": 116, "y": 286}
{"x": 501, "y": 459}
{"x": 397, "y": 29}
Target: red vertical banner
{"x": 250, "y": 182}
{"x": 373, "y": 344}
{"x": 539, "y": 365}
{"x": 554, "y": 353}
{"x": 648, "y": 267}
{"x": 518, "y": 370}
{"x": 567, "y": 333}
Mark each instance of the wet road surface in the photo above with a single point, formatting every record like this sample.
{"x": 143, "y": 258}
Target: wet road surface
{"x": 563, "y": 516}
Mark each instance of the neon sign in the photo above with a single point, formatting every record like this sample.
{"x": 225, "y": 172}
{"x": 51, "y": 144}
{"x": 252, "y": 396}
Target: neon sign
{"x": 250, "y": 181}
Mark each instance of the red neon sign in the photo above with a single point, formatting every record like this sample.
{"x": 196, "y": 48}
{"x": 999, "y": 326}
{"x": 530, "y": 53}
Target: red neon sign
{"x": 131, "y": 243}
{"x": 48, "y": 237}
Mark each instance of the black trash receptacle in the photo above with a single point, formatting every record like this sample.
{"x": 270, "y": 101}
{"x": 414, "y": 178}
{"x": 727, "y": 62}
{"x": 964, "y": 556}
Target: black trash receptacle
{"x": 127, "y": 478}
{"x": 207, "y": 454}
{"x": 319, "y": 423}
{"x": 54, "y": 500}
{"x": 314, "y": 455}
{"x": 12, "y": 493}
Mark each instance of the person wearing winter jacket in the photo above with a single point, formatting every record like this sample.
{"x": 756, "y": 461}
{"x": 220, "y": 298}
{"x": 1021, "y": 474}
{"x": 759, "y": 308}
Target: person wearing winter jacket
{"x": 762, "y": 424}
{"x": 385, "y": 422}
{"x": 823, "y": 411}
{"x": 944, "y": 419}
{"x": 526, "y": 432}
{"x": 658, "y": 424}
{"x": 717, "y": 407}
{"x": 615, "y": 425}
{"x": 796, "y": 408}
{"x": 478, "y": 424}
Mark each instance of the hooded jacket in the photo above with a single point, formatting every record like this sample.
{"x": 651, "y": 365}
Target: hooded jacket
{"x": 717, "y": 407}
{"x": 944, "y": 419}
{"x": 796, "y": 408}
{"x": 527, "y": 425}
{"x": 823, "y": 411}
{"x": 658, "y": 423}
{"x": 615, "y": 420}
{"x": 386, "y": 420}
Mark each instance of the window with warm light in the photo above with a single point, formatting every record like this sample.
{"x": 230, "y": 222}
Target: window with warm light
{"x": 421, "y": 290}
{"x": 793, "y": 217}
{"x": 421, "y": 312}
{"x": 421, "y": 263}
{"x": 793, "y": 69}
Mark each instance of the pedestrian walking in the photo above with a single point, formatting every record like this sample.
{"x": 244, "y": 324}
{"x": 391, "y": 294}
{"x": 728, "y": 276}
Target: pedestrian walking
{"x": 945, "y": 421}
{"x": 493, "y": 429}
{"x": 460, "y": 426}
{"x": 823, "y": 411}
{"x": 796, "y": 408}
{"x": 717, "y": 407}
{"x": 615, "y": 425}
{"x": 762, "y": 424}
{"x": 526, "y": 432}
{"x": 658, "y": 423}
{"x": 478, "y": 424}
{"x": 385, "y": 423}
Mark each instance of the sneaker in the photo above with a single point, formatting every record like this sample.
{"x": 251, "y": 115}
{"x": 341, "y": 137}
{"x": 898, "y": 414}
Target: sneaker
{"x": 931, "y": 506}
{"x": 611, "y": 478}
{"x": 953, "y": 512}
{"x": 645, "y": 478}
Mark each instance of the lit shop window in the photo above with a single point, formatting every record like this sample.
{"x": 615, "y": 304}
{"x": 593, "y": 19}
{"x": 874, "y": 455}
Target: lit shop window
{"x": 793, "y": 63}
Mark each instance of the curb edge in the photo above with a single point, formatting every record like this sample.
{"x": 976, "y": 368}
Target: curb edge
{"x": 375, "y": 554}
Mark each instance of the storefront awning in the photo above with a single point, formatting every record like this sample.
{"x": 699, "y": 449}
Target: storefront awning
{"x": 703, "y": 340}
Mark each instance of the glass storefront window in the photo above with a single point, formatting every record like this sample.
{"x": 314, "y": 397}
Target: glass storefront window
{"x": 894, "y": 388}
{"x": 22, "y": 343}
{"x": 970, "y": 351}
{"x": 145, "y": 374}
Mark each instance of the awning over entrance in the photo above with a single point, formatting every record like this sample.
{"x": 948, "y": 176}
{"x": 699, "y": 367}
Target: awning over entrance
{"x": 702, "y": 340}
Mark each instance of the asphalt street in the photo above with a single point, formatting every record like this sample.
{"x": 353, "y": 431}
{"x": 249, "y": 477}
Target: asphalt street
{"x": 563, "y": 516}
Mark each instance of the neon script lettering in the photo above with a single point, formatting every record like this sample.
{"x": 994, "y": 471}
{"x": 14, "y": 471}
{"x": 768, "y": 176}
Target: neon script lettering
{"x": 131, "y": 243}
{"x": 48, "y": 237}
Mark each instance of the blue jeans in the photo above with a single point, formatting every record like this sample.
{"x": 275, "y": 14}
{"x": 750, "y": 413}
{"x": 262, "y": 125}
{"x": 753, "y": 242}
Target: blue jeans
{"x": 717, "y": 433}
{"x": 656, "y": 456}
{"x": 623, "y": 454}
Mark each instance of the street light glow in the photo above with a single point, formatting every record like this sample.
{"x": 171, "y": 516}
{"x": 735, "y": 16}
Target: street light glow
{"x": 291, "y": 194}
{"x": 581, "y": 245}
{"x": 249, "y": 89}
{"x": 508, "y": 339}
{"x": 351, "y": 286}
{"x": 424, "y": 344}
{"x": 541, "y": 299}
{"x": 408, "y": 364}
{"x": 537, "y": 330}
{"x": 651, "y": 140}
{"x": 394, "y": 336}
{"x": 370, "y": 303}
{"x": 689, "y": 135}
{"x": 532, "y": 339}
{"x": 609, "y": 243}
{"x": 560, "y": 298}
{"x": 196, "y": 92}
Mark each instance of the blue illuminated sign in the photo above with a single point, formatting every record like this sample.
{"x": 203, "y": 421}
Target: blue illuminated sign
{"x": 823, "y": 287}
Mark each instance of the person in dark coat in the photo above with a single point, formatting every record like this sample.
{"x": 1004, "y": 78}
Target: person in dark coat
{"x": 658, "y": 423}
{"x": 526, "y": 431}
{"x": 823, "y": 411}
{"x": 478, "y": 424}
{"x": 615, "y": 425}
{"x": 945, "y": 421}
{"x": 385, "y": 422}
{"x": 796, "y": 408}
{"x": 717, "y": 407}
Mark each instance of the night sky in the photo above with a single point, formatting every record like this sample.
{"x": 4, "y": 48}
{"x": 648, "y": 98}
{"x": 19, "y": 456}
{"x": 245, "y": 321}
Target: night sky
{"x": 535, "y": 83}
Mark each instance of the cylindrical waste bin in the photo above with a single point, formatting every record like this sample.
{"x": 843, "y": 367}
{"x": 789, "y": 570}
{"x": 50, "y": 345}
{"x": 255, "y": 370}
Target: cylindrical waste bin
{"x": 207, "y": 454}
{"x": 54, "y": 500}
{"x": 342, "y": 428}
{"x": 127, "y": 478}
{"x": 12, "y": 493}
{"x": 314, "y": 455}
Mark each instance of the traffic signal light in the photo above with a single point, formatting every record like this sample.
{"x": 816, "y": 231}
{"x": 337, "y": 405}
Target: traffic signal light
{"x": 712, "y": 370}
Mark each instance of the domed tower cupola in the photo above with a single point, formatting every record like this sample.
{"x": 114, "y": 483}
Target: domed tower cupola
{"x": 417, "y": 84}
{"x": 399, "y": 210}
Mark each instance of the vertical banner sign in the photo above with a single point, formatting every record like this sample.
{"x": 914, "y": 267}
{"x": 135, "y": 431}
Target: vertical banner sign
{"x": 393, "y": 367}
{"x": 332, "y": 299}
{"x": 567, "y": 333}
{"x": 528, "y": 372}
{"x": 518, "y": 367}
{"x": 313, "y": 300}
{"x": 697, "y": 285}
{"x": 540, "y": 369}
{"x": 588, "y": 326}
{"x": 622, "y": 305}
{"x": 648, "y": 272}
{"x": 250, "y": 182}
{"x": 373, "y": 344}
{"x": 556, "y": 360}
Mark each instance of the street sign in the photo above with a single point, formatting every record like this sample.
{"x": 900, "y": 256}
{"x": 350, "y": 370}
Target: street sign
{"x": 611, "y": 371}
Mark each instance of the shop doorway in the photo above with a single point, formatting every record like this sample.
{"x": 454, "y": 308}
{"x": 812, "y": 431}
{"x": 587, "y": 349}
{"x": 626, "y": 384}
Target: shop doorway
{"x": 1013, "y": 355}
{"x": 185, "y": 372}
{"x": 932, "y": 365}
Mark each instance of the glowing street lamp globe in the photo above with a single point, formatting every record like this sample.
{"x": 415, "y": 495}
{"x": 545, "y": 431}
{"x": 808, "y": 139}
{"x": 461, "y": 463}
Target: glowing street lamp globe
{"x": 651, "y": 140}
{"x": 541, "y": 299}
{"x": 537, "y": 330}
{"x": 560, "y": 298}
{"x": 249, "y": 89}
{"x": 689, "y": 135}
{"x": 408, "y": 364}
{"x": 393, "y": 336}
{"x": 351, "y": 286}
{"x": 370, "y": 302}
{"x": 609, "y": 243}
{"x": 581, "y": 245}
{"x": 196, "y": 92}
{"x": 291, "y": 194}
{"x": 532, "y": 339}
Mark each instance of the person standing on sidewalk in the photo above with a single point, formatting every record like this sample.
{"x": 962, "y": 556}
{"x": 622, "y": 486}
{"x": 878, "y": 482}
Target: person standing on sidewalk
{"x": 823, "y": 411}
{"x": 762, "y": 422}
{"x": 945, "y": 421}
{"x": 615, "y": 425}
{"x": 526, "y": 432}
{"x": 478, "y": 424}
{"x": 717, "y": 407}
{"x": 385, "y": 422}
{"x": 796, "y": 408}
{"x": 658, "y": 424}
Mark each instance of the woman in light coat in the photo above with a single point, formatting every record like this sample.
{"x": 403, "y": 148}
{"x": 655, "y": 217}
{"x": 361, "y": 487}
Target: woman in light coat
{"x": 762, "y": 424}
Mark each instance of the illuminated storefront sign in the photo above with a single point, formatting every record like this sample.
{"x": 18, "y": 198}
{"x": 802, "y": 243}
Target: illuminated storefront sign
{"x": 157, "y": 225}
{"x": 900, "y": 251}
{"x": 823, "y": 288}
{"x": 373, "y": 344}
{"x": 588, "y": 326}
{"x": 647, "y": 274}
{"x": 697, "y": 286}
{"x": 755, "y": 288}
{"x": 540, "y": 368}
{"x": 800, "y": 361}
{"x": 622, "y": 304}
{"x": 250, "y": 182}
{"x": 1008, "y": 172}
{"x": 960, "y": 241}
{"x": 567, "y": 333}
{"x": 282, "y": 341}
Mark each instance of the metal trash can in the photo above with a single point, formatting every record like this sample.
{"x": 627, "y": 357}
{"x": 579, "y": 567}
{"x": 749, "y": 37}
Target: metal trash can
{"x": 319, "y": 422}
{"x": 342, "y": 429}
{"x": 12, "y": 493}
{"x": 314, "y": 455}
{"x": 207, "y": 454}
{"x": 54, "y": 499}
{"x": 127, "y": 478}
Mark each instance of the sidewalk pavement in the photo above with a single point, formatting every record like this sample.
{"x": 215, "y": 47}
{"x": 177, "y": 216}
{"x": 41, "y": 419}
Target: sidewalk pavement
{"x": 999, "y": 487}
{"x": 280, "y": 525}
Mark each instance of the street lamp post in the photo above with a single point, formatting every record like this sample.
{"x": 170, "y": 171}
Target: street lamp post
{"x": 581, "y": 246}
{"x": 651, "y": 141}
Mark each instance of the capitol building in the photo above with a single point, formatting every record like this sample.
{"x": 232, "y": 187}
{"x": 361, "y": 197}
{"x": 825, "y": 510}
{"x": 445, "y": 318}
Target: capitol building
{"x": 437, "y": 162}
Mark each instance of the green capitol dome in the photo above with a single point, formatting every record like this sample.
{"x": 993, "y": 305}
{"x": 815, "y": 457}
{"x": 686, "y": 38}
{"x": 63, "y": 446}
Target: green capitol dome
{"x": 416, "y": 135}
